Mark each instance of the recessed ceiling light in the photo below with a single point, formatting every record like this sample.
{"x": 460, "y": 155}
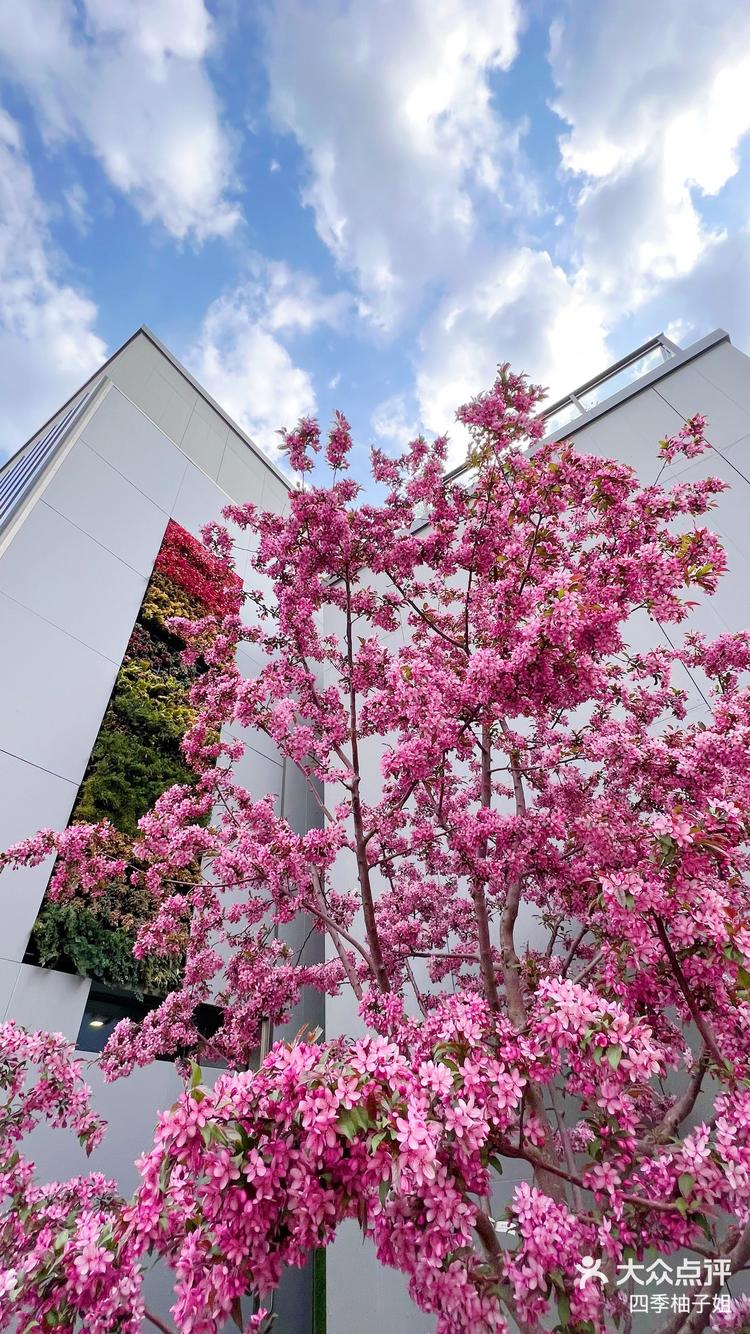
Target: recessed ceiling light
{"x": 96, "y": 1023}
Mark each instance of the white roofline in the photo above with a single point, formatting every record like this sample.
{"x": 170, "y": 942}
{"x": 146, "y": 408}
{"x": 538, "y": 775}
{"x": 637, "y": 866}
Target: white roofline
{"x": 165, "y": 352}
{"x": 211, "y": 401}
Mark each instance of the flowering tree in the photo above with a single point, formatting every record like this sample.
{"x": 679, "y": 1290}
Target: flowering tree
{"x": 537, "y": 896}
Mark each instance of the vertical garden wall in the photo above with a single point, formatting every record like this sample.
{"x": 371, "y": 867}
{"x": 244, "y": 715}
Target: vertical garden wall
{"x": 137, "y": 756}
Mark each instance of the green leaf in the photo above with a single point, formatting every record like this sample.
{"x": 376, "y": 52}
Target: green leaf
{"x": 686, "y": 1183}
{"x": 352, "y": 1121}
{"x": 165, "y": 1172}
{"x": 614, "y": 1055}
{"x": 704, "y": 1225}
{"x": 563, "y": 1309}
{"x": 444, "y": 1049}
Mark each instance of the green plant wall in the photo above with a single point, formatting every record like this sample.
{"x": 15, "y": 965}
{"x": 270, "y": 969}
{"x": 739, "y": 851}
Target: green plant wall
{"x": 135, "y": 758}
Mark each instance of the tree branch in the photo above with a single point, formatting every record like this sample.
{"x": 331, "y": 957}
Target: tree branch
{"x": 363, "y": 870}
{"x": 154, "y": 1320}
{"x": 477, "y": 888}
{"x": 701, "y": 1023}
{"x": 672, "y": 1119}
{"x": 488, "y": 1237}
{"x": 334, "y": 934}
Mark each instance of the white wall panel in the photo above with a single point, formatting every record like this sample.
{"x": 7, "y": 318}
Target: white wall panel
{"x": 688, "y": 391}
{"x": 54, "y": 691}
{"x": 166, "y": 404}
{"x": 64, "y": 576}
{"x": 257, "y": 741}
{"x": 242, "y": 474}
{"x": 204, "y": 442}
{"x": 32, "y": 799}
{"x": 727, "y": 369}
{"x": 275, "y": 495}
{"x": 101, "y": 502}
{"x": 362, "y": 1296}
{"x": 631, "y": 433}
{"x": 132, "y": 366}
{"x": 43, "y": 998}
{"x": 130, "y": 1108}
{"x": 260, "y": 775}
{"x": 135, "y": 447}
{"x": 9, "y": 970}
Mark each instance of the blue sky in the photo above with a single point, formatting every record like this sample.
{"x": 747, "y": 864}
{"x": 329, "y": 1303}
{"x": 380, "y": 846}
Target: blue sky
{"x": 366, "y": 203}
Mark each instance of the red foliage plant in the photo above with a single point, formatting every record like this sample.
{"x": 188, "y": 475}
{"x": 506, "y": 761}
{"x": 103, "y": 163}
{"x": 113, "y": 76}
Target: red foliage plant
{"x": 185, "y": 560}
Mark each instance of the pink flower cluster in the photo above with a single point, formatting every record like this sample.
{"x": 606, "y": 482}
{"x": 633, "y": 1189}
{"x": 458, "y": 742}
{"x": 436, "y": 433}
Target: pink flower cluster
{"x": 253, "y": 1174}
{"x": 61, "y": 1258}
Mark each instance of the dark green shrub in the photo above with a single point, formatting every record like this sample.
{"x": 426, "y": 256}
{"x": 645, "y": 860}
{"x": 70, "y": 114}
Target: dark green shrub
{"x": 153, "y": 705}
{"x": 136, "y": 757}
{"x": 73, "y": 936}
{"x": 124, "y": 778}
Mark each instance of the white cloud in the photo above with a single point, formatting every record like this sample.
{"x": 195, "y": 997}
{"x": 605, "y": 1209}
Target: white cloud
{"x": 48, "y": 343}
{"x": 517, "y": 307}
{"x": 78, "y": 206}
{"x": 392, "y": 105}
{"x": 637, "y": 230}
{"x": 292, "y": 300}
{"x": 670, "y": 73}
{"x": 157, "y": 29}
{"x": 130, "y": 84}
{"x": 395, "y": 422}
{"x": 716, "y": 293}
{"x": 241, "y": 360}
{"x": 655, "y": 103}
{"x": 416, "y": 186}
{"x": 655, "y": 100}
